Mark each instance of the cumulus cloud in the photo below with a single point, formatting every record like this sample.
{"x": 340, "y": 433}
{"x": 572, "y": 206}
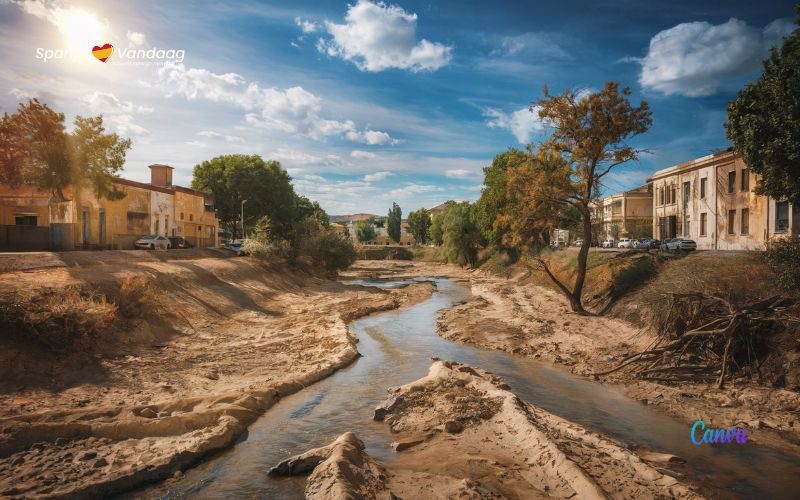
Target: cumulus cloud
{"x": 293, "y": 110}
{"x": 362, "y": 155}
{"x": 377, "y": 176}
{"x": 136, "y": 39}
{"x": 305, "y": 25}
{"x": 377, "y": 36}
{"x": 539, "y": 45}
{"x": 220, "y": 137}
{"x": 117, "y": 113}
{"x": 459, "y": 173}
{"x": 695, "y": 59}
{"x": 523, "y": 123}
{"x": 411, "y": 189}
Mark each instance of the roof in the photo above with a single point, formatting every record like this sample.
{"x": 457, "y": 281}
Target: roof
{"x": 438, "y": 208}
{"x": 160, "y": 165}
{"x": 720, "y": 156}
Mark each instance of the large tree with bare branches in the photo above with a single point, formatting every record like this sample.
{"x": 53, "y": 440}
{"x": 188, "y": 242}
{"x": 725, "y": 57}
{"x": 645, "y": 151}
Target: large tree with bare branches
{"x": 589, "y": 133}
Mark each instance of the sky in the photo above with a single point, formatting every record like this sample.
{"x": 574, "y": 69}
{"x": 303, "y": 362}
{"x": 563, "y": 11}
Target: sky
{"x": 368, "y": 103}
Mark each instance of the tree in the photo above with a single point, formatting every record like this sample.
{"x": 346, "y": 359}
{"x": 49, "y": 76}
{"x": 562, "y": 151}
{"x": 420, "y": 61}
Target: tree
{"x": 418, "y": 224}
{"x": 764, "y": 122}
{"x": 36, "y": 150}
{"x": 589, "y": 133}
{"x": 494, "y": 198}
{"x": 393, "y": 221}
{"x": 435, "y": 233}
{"x": 460, "y": 234}
{"x": 365, "y": 230}
{"x": 265, "y": 185}
{"x": 614, "y": 231}
{"x": 307, "y": 208}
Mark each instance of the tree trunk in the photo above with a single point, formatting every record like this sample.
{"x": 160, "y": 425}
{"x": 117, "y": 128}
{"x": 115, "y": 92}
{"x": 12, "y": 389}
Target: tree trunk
{"x": 575, "y": 298}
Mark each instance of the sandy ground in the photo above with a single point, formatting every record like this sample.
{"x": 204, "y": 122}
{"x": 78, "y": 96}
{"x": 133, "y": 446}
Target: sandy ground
{"x": 533, "y": 321}
{"x": 226, "y": 339}
{"x": 460, "y": 433}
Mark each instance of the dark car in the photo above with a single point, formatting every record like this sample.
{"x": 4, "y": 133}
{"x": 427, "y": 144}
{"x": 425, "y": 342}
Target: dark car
{"x": 179, "y": 242}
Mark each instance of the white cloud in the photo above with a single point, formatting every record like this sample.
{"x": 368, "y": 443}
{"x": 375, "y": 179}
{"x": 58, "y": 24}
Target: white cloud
{"x": 459, "y": 173}
{"x": 377, "y": 176}
{"x": 23, "y": 95}
{"x": 362, "y": 155}
{"x": 306, "y": 26}
{"x": 136, "y": 39}
{"x": 411, "y": 189}
{"x": 538, "y": 45}
{"x": 293, "y": 110}
{"x": 117, "y": 113}
{"x": 222, "y": 137}
{"x": 377, "y": 36}
{"x": 694, "y": 59}
{"x": 522, "y": 123}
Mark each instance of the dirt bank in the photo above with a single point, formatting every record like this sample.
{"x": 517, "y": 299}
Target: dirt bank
{"x": 522, "y": 318}
{"x": 460, "y": 433}
{"x": 185, "y": 350}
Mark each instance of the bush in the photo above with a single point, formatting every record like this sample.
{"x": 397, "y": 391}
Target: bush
{"x": 783, "y": 258}
{"x": 323, "y": 246}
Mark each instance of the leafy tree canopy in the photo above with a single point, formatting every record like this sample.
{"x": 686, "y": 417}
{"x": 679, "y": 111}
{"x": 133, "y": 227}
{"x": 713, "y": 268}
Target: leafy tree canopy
{"x": 393, "y": 221}
{"x": 419, "y": 222}
{"x": 365, "y": 230}
{"x": 764, "y": 122}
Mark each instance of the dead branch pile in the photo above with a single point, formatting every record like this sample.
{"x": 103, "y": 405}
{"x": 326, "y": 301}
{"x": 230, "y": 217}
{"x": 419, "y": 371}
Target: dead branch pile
{"x": 707, "y": 338}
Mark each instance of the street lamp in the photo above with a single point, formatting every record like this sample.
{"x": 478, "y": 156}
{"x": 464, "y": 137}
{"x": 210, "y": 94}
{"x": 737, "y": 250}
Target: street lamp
{"x": 243, "y": 202}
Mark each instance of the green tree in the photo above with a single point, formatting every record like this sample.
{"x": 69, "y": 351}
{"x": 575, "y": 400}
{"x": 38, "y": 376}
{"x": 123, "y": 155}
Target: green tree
{"x": 764, "y": 122}
{"x": 265, "y": 185}
{"x": 494, "y": 198}
{"x": 435, "y": 233}
{"x": 365, "y": 230}
{"x": 418, "y": 224}
{"x": 307, "y": 208}
{"x": 614, "y": 231}
{"x": 461, "y": 235}
{"x": 36, "y": 150}
{"x": 393, "y": 221}
{"x": 589, "y": 133}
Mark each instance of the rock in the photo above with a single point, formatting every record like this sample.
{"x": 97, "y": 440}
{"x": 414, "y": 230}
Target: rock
{"x": 662, "y": 458}
{"x": 212, "y": 375}
{"x": 18, "y": 461}
{"x": 61, "y": 441}
{"x": 100, "y": 462}
{"x": 404, "y": 445}
{"x": 453, "y": 427}
{"x": 163, "y": 414}
{"x": 87, "y": 455}
{"x": 148, "y": 413}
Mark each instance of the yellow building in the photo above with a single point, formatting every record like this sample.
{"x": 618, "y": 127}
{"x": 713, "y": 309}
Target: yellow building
{"x": 31, "y": 220}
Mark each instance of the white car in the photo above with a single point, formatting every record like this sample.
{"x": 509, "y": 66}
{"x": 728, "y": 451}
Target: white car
{"x": 607, "y": 244}
{"x": 153, "y": 241}
{"x": 624, "y": 243}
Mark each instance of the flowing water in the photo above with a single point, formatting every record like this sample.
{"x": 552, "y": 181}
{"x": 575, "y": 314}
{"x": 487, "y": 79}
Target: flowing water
{"x": 396, "y": 348}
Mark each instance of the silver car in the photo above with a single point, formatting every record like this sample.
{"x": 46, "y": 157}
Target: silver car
{"x": 153, "y": 241}
{"x": 681, "y": 245}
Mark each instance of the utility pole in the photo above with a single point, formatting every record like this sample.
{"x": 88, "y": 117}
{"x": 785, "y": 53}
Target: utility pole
{"x": 243, "y": 202}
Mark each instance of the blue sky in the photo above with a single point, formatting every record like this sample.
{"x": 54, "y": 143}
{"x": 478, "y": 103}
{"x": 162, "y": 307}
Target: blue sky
{"x": 368, "y": 103}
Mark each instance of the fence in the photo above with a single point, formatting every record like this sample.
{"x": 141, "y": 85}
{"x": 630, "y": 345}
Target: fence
{"x": 24, "y": 238}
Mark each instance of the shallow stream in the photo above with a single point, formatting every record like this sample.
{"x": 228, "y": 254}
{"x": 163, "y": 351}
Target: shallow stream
{"x": 396, "y": 348}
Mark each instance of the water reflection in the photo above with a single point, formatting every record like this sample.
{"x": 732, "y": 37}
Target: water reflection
{"x": 396, "y": 348}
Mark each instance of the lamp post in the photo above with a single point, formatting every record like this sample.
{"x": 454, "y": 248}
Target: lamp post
{"x": 243, "y": 202}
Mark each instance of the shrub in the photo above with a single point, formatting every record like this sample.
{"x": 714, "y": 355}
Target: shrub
{"x": 783, "y": 258}
{"x": 324, "y": 247}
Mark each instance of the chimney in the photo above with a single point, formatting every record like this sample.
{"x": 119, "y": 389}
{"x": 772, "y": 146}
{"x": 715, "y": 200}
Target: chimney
{"x": 161, "y": 175}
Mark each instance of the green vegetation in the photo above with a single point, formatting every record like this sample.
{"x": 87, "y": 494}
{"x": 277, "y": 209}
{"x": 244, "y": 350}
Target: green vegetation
{"x": 783, "y": 257}
{"x": 419, "y": 223}
{"x": 460, "y": 234}
{"x": 36, "y": 150}
{"x": 393, "y": 221}
{"x": 763, "y": 122}
{"x": 365, "y": 230}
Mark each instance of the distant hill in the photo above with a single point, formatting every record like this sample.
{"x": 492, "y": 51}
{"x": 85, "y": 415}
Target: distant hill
{"x": 343, "y": 219}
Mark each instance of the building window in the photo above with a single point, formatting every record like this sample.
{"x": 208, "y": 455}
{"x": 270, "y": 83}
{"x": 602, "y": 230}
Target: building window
{"x": 673, "y": 197}
{"x": 781, "y": 216}
{"x": 731, "y": 181}
{"x": 703, "y": 221}
{"x": 745, "y": 181}
{"x": 745, "y": 220}
{"x": 731, "y": 221}
{"x": 26, "y": 220}
{"x": 191, "y": 217}
{"x": 703, "y": 188}
{"x": 660, "y": 196}
{"x": 686, "y": 226}
{"x": 687, "y": 190}
{"x": 181, "y": 215}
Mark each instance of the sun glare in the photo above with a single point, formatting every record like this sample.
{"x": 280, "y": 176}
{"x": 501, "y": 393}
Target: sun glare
{"x": 81, "y": 29}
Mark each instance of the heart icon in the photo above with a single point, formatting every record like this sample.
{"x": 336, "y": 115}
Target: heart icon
{"x": 103, "y": 53}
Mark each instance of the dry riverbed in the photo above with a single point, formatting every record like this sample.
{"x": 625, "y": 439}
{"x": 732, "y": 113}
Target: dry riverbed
{"x": 224, "y": 340}
{"x": 533, "y": 321}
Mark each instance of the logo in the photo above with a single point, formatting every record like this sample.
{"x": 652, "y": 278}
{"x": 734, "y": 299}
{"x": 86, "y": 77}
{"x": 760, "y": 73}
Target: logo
{"x": 103, "y": 53}
{"x": 718, "y": 436}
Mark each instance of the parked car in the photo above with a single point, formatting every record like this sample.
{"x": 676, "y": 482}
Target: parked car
{"x": 559, "y": 244}
{"x": 624, "y": 243}
{"x": 237, "y": 247}
{"x": 152, "y": 241}
{"x": 607, "y": 243}
{"x": 662, "y": 246}
{"x": 179, "y": 242}
{"x": 642, "y": 243}
{"x": 681, "y": 245}
{"x": 578, "y": 243}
